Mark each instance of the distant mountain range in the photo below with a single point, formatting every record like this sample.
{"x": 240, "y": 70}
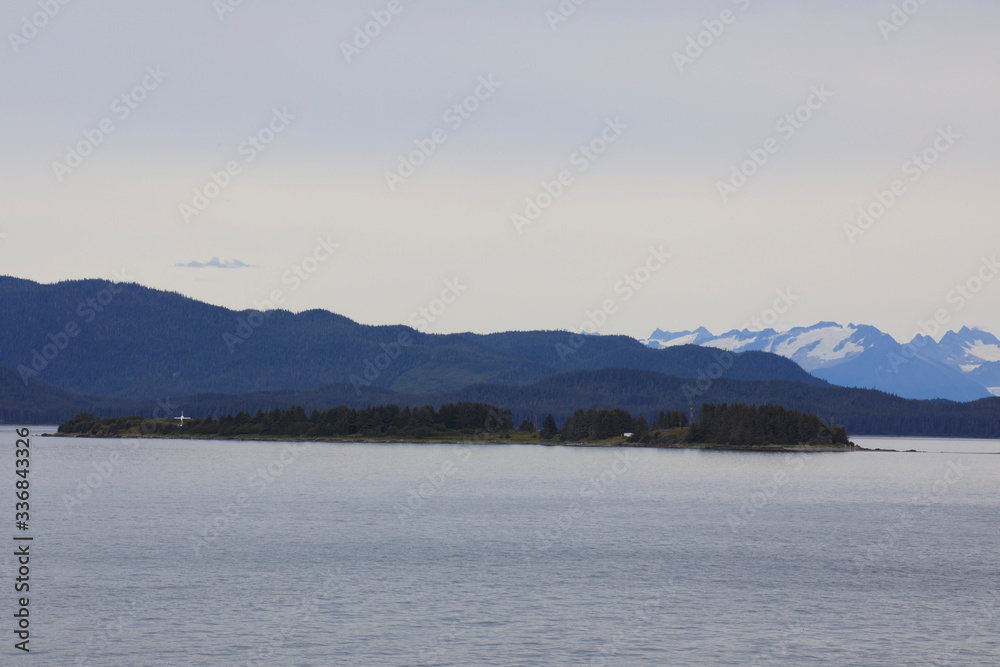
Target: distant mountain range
{"x": 122, "y": 349}
{"x": 963, "y": 366}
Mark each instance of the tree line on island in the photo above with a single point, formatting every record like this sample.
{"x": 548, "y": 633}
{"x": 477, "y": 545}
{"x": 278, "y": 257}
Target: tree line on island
{"x": 735, "y": 425}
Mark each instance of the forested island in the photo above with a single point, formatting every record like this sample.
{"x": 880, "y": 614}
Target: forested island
{"x": 735, "y": 426}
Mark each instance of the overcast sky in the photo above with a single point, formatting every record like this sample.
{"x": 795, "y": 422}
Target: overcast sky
{"x": 666, "y": 122}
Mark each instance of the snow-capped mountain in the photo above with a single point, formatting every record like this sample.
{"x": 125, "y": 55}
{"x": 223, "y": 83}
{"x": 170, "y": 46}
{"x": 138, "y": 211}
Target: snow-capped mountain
{"x": 976, "y": 353}
{"x": 963, "y": 366}
{"x": 661, "y": 339}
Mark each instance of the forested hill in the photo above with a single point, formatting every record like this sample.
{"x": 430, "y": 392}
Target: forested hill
{"x": 36, "y": 403}
{"x": 130, "y": 341}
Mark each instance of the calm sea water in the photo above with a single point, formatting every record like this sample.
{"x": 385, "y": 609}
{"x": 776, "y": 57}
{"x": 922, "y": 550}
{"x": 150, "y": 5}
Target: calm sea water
{"x": 227, "y": 553}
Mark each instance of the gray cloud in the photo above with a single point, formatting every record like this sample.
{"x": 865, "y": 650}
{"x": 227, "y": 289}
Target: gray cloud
{"x": 216, "y": 263}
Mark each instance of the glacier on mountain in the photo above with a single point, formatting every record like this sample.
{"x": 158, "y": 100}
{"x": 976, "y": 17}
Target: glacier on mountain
{"x": 964, "y": 365}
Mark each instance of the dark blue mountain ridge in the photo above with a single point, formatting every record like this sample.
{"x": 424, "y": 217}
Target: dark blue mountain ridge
{"x": 131, "y": 341}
